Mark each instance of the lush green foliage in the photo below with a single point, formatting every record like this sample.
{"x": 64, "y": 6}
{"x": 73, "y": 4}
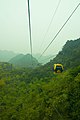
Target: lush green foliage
{"x": 56, "y": 98}
{"x": 39, "y": 94}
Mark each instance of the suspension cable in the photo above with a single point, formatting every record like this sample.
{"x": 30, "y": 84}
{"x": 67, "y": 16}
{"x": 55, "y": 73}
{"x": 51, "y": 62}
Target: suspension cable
{"x": 48, "y": 58}
{"x": 30, "y": 28}
{"x": 59, "y": 31}
{"x": 50, "y": 22}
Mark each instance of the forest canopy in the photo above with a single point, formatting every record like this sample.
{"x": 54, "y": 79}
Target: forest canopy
{"x": 35, "y": 94}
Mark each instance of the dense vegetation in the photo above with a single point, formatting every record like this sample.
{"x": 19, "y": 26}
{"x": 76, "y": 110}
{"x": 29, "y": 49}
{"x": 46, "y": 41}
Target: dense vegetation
{"x": 50, "y": 99}
{"x": 35, "y": 94}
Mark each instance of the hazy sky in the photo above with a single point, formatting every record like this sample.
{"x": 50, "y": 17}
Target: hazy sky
{"x": 14, "y": 30}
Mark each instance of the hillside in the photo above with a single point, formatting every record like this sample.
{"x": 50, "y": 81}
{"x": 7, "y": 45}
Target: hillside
{"x": 39, "y": 94}
{"x": 56, "y": 98}
{"x": 69, "y": 56}
{"x": 5, "y": 55}
{"x": 25, "y": 61}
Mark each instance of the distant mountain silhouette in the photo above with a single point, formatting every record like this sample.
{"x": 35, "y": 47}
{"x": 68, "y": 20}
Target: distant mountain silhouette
{"x": 22, "y": 60}
{"x": 69, "y": 56}
{"x": 5, "y": 55}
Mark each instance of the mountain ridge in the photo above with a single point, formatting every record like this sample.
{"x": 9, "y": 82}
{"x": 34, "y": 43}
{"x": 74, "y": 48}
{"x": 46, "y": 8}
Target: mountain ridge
{"x": 25, "y": 61}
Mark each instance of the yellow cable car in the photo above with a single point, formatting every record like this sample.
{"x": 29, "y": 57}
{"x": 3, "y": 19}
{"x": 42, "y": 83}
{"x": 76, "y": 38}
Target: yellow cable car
{"x": 58, "y": 68}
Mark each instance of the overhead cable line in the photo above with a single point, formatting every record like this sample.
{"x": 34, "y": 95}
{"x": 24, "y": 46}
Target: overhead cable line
{"x": 50, "y": 22}
{"x": 59, "y": 31}
{"x": 48, "y": 58}
{"x": 30, "y": 27}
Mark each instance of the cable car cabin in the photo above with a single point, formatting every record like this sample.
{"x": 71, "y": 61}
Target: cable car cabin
{"x": 58, "y": 68}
